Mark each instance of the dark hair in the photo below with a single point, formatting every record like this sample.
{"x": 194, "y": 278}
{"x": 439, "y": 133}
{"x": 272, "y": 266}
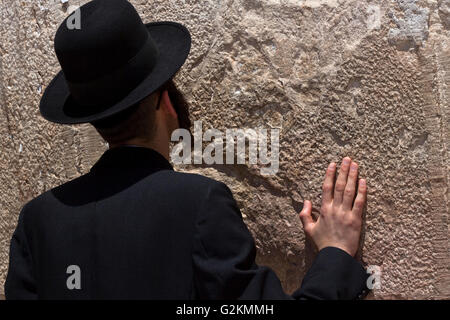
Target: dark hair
{"x": 139, "y": 119}
{"x": 117, "y": 118}
{"x": 136, "y": 121}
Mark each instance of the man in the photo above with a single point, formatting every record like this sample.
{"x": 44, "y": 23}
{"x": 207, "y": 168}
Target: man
{"x": 133, "y": 228}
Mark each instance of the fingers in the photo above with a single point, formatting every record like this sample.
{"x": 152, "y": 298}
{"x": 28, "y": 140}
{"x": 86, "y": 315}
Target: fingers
{"x": 305, "y": 216}
{"x": 360, "y": 198}
{"x": 341, "y": 181}
{"x": 328, "y": 183}
{"x": 350, "y": 188}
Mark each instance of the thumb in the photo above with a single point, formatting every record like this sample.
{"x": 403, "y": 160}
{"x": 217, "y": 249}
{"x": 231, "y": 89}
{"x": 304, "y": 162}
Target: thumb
{"x": 305, "y": 216}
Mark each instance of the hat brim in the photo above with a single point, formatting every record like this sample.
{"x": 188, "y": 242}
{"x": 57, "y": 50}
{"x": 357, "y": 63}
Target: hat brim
{"x": 174, "y": 43}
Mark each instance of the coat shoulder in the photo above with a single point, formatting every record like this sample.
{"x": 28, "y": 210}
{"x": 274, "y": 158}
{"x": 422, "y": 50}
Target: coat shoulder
{"x": 185, "y": 179}
{"x": 192, "y": 185}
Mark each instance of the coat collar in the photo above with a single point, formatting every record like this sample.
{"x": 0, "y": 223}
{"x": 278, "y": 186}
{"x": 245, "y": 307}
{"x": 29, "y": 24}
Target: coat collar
{"x": 131, "y": 157}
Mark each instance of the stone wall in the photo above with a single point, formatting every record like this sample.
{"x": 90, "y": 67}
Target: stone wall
{"x": 368, "y": 79}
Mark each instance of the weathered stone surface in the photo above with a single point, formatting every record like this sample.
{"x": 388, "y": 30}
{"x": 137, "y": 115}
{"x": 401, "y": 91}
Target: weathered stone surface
{"x": 444, "y": 12}
{"x": 337, "y": 77}
{"x": 412, "y": 29}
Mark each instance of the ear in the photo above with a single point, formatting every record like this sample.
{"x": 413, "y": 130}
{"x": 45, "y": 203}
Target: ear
{"x": 167, "y": 105}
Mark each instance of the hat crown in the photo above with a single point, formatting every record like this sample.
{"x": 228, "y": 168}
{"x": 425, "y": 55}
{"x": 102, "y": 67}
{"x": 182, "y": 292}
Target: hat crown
{"x": 111, "y": 33}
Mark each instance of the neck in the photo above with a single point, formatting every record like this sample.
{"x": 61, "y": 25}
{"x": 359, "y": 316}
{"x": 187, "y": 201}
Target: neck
{"x": 158, "y": 145}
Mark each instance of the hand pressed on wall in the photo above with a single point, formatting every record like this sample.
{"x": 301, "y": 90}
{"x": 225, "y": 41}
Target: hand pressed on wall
{"x": 340, "y": 220}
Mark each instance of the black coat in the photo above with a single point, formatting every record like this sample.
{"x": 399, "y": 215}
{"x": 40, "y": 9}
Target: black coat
{"x": 139, "y": 230}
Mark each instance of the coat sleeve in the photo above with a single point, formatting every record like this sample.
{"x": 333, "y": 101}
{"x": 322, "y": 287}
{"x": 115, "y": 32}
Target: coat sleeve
{"x": 20, "y": 283}
{"x": 224, "y": 260}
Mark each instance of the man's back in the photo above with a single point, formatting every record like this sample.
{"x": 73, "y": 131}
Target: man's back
{"x": 128, "y": 225}
{"x": 132, "y": 228}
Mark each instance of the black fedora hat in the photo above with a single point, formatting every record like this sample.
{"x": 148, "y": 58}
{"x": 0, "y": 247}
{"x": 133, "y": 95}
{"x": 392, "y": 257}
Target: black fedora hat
{"x": 111, "y": 62}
